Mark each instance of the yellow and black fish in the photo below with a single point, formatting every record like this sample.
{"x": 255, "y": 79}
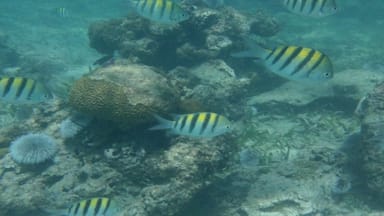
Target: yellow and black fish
{"x": 98, "y": 206}
{"x": 162, "y": 11}
{"x": 23, "y": 90}
{"x": 314, "y": 8}
{"x": 202, "y": 124}
{"x": 293, "y": 62}
{"x": 61, "y": 12}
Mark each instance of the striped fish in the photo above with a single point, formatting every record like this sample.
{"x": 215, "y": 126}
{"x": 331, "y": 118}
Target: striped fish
{"x": 94, "y": 207}
{"x": 199, "y": 125}
{"x": 314, "y": 8}
{"x": 62, "y": 12}
{"x": 162, "y": 11}
{"x": 23, "y": 90}
{"x": 293, "y": 62}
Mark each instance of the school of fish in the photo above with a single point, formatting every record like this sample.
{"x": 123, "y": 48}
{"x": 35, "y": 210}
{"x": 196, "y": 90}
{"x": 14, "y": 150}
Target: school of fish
{"x": 296, "y": 63}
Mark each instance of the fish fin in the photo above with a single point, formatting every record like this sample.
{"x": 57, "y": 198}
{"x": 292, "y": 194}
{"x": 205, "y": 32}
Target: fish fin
{"x": 132, "y": 4}
{"x": 163, "y": 123}
{"x": 55, "y": 212}
{"x": 255, "y": 51}
{"x": 175, "y": 115}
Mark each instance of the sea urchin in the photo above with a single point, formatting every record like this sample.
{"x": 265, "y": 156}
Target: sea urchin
{"x": 33, "y": 148}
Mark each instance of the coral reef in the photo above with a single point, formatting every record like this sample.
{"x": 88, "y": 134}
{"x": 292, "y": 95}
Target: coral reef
{"x": 33, "y": 148}
{"x": 178, "y": 173}
{"x": 210, "y": 86}
{"x": 149, "y": 177}
{"x": 264, "y": 25}
{"x": 208, "y": 34}
{"x": 112, "y": 93}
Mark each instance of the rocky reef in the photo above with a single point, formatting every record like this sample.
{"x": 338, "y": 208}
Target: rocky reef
{"x": 148, "y": 176}
{"x": 160, "y": 70}
{"x": 208, "y": 34}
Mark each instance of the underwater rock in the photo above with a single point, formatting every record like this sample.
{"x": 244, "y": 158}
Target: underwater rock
{"x": 372, "y": 146}
{"x": 30, "y": 192}
{"x": 208, "y": 34}
{"x": 175, "y": 176}
{"x": 125, "y": 94}
{"x": 264, "y": 25}
{"x": 103, "y": 35}
{"x": 210, "y": 86}
{"x": 218, "y": 42}
{"x": 135, "y": 37}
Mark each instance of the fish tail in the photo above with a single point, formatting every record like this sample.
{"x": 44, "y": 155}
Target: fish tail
{"x": 246, "y": 54}
{"x": 163, "y": 123}
{"x": 255, "y": 51}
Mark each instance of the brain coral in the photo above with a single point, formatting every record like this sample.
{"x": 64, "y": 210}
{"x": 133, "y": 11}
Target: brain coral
{"x": 124, "y": 94}
{"x": 33, "y": 148}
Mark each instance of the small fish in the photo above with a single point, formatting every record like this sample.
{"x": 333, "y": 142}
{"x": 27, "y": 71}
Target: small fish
{"x": 199, "y": 125}
{"x": 106, "y": 60}
{"x": 161, "y": 11}
{"x": 313, "y": 8}
{"x": 98, "y": 206}
{"x": 23, "y": 90}
{"x": 293, "y": 62}
{"x": 61, "y": 12}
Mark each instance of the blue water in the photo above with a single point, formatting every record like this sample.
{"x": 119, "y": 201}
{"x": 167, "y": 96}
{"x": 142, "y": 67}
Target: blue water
{"x": 295, "y": 149}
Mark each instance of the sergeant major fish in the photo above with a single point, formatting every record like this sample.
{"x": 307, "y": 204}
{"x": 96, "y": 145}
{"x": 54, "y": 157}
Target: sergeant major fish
{"x": 161, "y": 11}
{"x": 314, "y": 8}
{"x": 23, "y": 90}
{"x": 293, "y": 62}
{"x": 199, "y": 125}
{"x": 99, "y": 206}
{"x": 61, "y": 12}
